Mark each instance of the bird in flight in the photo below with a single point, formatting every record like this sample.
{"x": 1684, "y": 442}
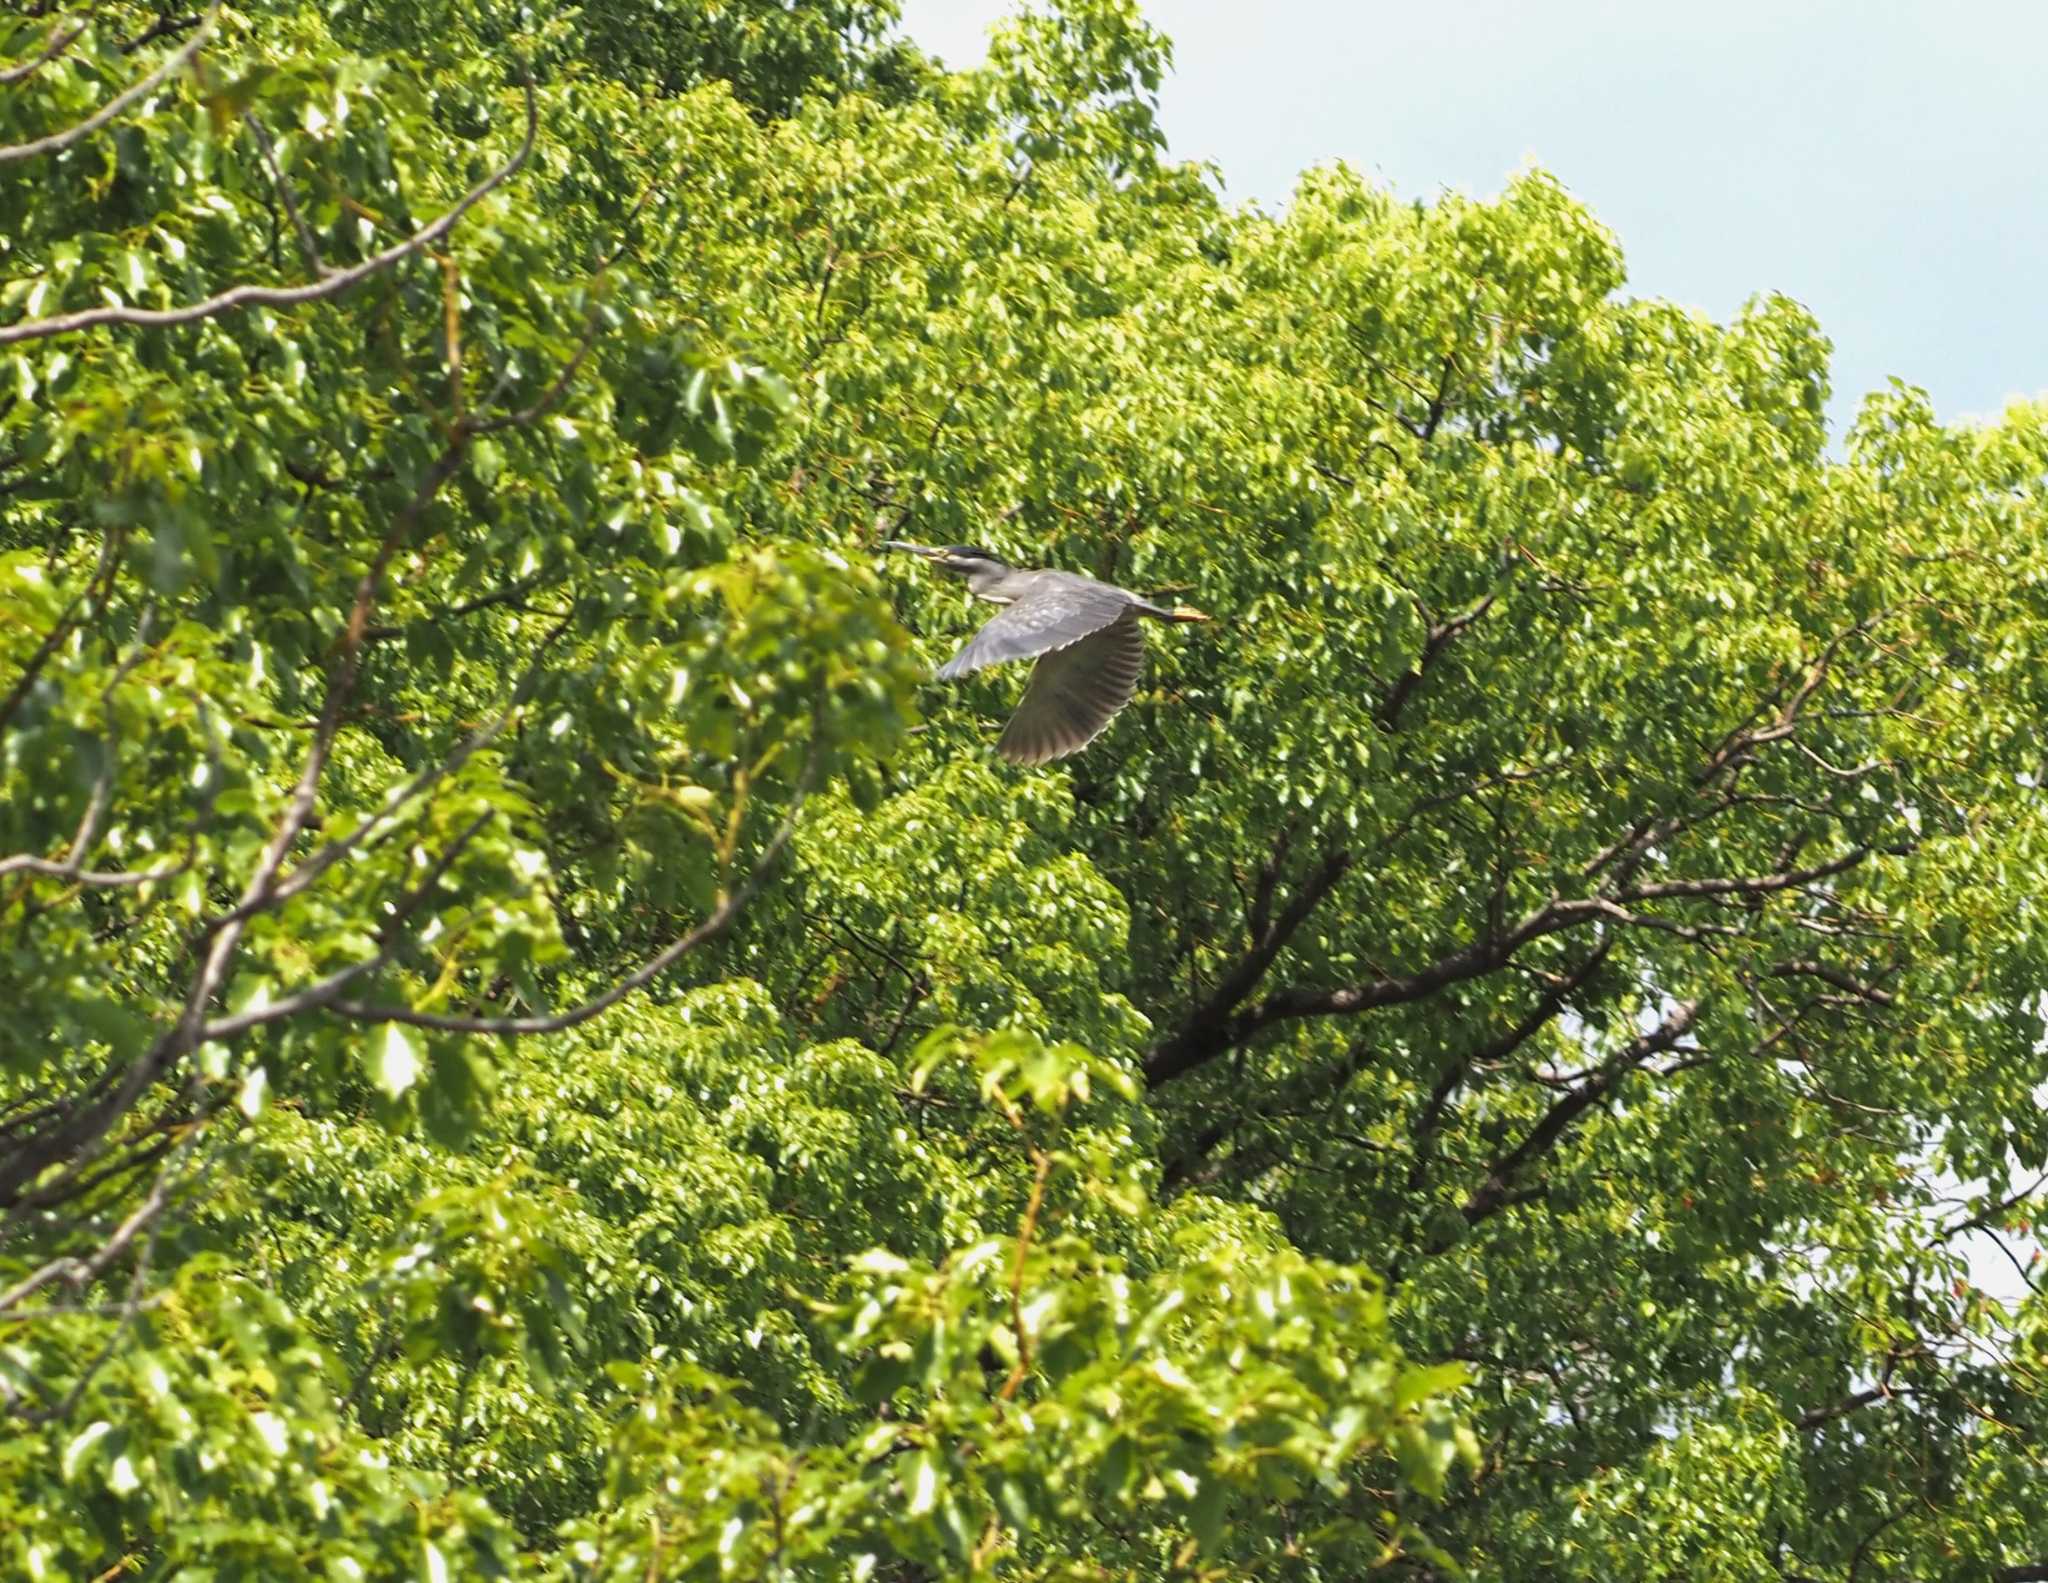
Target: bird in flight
{"x": 1084, "y": 635}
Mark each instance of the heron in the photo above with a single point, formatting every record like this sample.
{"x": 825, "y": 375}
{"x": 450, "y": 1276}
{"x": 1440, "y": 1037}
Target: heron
{"x": 1084, "y": 634}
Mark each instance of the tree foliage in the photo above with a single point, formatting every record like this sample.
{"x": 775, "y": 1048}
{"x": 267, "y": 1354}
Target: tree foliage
{"x": 536, "y": 1048}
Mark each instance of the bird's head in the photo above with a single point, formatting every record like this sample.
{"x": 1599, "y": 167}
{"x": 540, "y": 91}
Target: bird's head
{"x": 962, "y": 560}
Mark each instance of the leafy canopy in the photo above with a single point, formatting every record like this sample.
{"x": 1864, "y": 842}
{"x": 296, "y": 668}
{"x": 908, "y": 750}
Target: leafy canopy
{"x": 536, "y": 1047}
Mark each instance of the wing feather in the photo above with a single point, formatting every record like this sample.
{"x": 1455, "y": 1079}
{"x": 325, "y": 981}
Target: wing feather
{"x": 1075, "y": 691}
{"x": 1047, "y": 620}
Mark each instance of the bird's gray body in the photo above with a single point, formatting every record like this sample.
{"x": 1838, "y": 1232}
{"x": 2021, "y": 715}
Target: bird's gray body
{"x": 1084, "y": 634}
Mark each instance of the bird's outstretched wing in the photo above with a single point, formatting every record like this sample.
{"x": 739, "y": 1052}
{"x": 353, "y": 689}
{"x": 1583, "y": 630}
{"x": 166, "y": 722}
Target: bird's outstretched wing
{"x": 1048, "y": 619}
{"x": 1075, "y": 691}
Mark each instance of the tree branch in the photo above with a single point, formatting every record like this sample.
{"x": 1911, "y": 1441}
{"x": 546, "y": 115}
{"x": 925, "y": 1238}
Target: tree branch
{"x": 59, "y": 43}
{"x": 1545, "y": 1011}
{"x": 309, "y": 249}
{"x": 79, "y": 1138}
{"x": 716, "y": 923}
{"x": 1188, "y": 1048}
{"x": 1440, "y": 637}
{"x": 336, "y": 283}
{"x": 1313, "y": 1086}
{"x": 14, "y": 153}
{"x": 164, "y": 26}
{"x": 1813, "y": 1418}
{"x": 324, "y": 991}
{"x": 97, "y": 588}
{"x": 1492, "y": 1195}
{"x": 1986, "y": 1218}
{"x": 1217, "y": 1025}
{"x": 1755, "y": 885}
{"x": 1845, "y": 982}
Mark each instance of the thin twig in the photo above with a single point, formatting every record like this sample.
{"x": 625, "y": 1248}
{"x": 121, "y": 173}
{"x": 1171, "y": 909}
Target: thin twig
{"x": 1043, "y": 1170}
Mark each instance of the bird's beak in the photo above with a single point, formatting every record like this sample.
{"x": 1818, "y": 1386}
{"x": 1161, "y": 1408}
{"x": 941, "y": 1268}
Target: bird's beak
{"x": 925, "y": 550}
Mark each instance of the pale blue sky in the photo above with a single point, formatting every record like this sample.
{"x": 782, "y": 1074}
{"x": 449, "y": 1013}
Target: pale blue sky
{"x": 1883, "y": 161}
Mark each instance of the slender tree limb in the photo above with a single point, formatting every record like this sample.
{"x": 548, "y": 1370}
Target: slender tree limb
{"x": 1440, "y": 637}
{"x": 177, "y": 60}
{"x": 1315, "y": 1086}
{"x": 556, "y": 389}
{"x": 1041, "y": 1173}
{"x": 1259, "y": 915}
{"x": 1753, "y": 885}
{"x": 1846, "y": 982}
{"x": 336, "y": 283}
{"x": 510, "y": 595}
{"x": 77, "y": 1273}
{"x": 309, "y": 248}
{"x": 57, "y": 45}
{"x": 1494, "y": 1194}
{"x": 1546, "y": 1011}
{"x": 165, "y": 26}
{"x": 324, "y": 991}
{"x": 1171, "y": 1058}
{"x": 1815, "y": 1417}
{"x": 1988, "y": 1217}
{"x": 304, "y": 874}
{"x": 95, "y": 590}
{"x": 1218, "y": 1025}
{"x": 1440, "y": 403}
{"x": 78, "y": 1140}
{"x": 716, "y": 923}
{"x": 1206, "y": 1036}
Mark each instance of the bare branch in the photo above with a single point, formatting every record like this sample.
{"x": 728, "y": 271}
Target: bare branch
{"x": 1441, "y": 634}
{"x": 508, "y": 597}
{"x": 336, "y": 283}
{"x": 81, "y": 1135}
{"x": 1315, "y": 1085}
{"x": 72, "y": 868}
{"x": 1260, "y": 913}
{"x": 1494, "y": 1194}
{"x": 309, "y": 249}
{"x": 1989, "y": 1216}
{"x": 1176, "y": 1055}
{"x": 554, "y": 392}
{"x": 1754, "y": 885}
{"x": 77, "y": 1273}
{"x": 304, "y": 874}
{"x": 1453, "y": 1077}
{"x": 1214, "y": 1028}
{"x": 716, "y": 923}
{"x": 1440, "y": 402}
{"x": 96, "y": 879}
{"x": 58, "y": 44}
{"x": 165, "y": 26}
{"x": 324, "y": 991}
{"x": 1219, "y": 1024}
{"x": 1845, "y": 982}
{"x": 1813, "y": 1418}
{"x": 175, "y": 61}
{"x": 96, "y": 587}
